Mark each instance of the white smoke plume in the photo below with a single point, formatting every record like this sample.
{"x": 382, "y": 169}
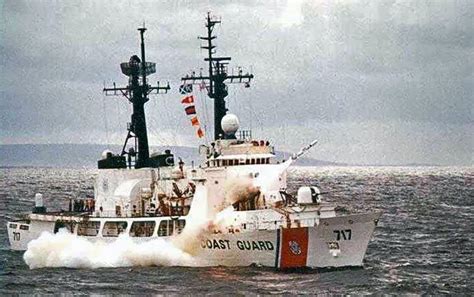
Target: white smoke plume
{"x": 198, "y": 222}
{"x": 269, "y": 177}
{"x": 238, "y": 189}
{"x": 223, "y": 220}
{"x": 67, "y": 250}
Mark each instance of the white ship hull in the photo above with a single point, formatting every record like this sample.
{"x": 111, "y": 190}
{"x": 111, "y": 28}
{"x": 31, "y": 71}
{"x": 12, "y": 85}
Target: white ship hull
{"x": 339, "y": 241}
{"x": 315, "y": 247}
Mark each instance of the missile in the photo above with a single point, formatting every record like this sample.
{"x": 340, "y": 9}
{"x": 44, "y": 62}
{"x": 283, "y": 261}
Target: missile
{"x": 304, "y": 150}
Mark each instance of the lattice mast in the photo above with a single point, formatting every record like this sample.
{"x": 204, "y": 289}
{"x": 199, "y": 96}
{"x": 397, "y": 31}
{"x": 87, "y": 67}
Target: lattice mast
{"x": 217, "y": 77}
{"x": 137, "y": 92}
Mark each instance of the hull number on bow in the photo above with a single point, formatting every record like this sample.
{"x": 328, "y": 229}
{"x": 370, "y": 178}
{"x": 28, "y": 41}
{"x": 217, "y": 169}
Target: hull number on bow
{"x": 343, "y": 234}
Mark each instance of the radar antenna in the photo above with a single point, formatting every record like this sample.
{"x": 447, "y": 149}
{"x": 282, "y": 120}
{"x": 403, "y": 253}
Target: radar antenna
{"x": 217, "y": 77}
{"x": 137, "y": 92}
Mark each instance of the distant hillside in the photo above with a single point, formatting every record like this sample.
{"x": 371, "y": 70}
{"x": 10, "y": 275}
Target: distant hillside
{"x": 86, "y": 155}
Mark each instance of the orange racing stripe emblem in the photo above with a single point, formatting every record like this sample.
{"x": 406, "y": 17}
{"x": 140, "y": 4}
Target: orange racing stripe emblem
{"x": 293, "y": 247}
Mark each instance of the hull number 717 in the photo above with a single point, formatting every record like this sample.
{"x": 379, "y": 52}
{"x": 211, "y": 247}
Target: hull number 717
{"x": 343, "y": 234}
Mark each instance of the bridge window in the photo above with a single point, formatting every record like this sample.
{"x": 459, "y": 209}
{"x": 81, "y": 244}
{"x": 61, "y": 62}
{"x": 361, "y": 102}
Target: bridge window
{"x": 142, "y": 229}
{"x": 258, "y": 161}
{"x": 88, "y": 228}
{"x": 114, "y": 229}
{"x": 12, "y": 226}
{"x": 164, "y": 228}
{"x": 169, "y": 227}
{"x": 179, "y": 226}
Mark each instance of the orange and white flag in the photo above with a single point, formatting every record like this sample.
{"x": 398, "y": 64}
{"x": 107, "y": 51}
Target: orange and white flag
{"x": 200, "y": 133}
{"x": 195, "y": 121}
{"x": 188, "y": 100}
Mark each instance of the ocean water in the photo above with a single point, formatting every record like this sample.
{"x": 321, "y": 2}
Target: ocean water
{"x": 422, "y": 245}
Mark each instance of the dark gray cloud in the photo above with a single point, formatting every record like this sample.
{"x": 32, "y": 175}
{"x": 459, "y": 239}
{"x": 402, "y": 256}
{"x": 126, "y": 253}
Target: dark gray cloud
{"x": 376, "y": 81}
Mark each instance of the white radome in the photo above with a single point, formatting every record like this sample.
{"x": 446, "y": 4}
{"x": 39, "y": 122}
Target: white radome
{"x": 230, "y": 124}
{"x": 308, "y": 195}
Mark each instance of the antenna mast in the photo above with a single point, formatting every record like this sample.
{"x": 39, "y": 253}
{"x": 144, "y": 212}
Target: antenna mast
{"x": 137, "y": 92}
{"x": 217, "y": 77}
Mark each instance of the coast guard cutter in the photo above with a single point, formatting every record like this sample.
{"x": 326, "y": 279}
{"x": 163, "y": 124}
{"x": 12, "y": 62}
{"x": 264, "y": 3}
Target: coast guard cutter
{"x": 240, "y": 185}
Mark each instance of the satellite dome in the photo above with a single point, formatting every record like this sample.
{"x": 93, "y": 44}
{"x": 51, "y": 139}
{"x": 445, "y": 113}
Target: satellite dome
{"x": 106, "y": 154}
{"x": 230, "y": 124}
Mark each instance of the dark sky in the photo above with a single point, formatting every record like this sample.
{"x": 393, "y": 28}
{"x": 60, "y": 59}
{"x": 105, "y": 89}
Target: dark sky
{"x": 377, "y": 82}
